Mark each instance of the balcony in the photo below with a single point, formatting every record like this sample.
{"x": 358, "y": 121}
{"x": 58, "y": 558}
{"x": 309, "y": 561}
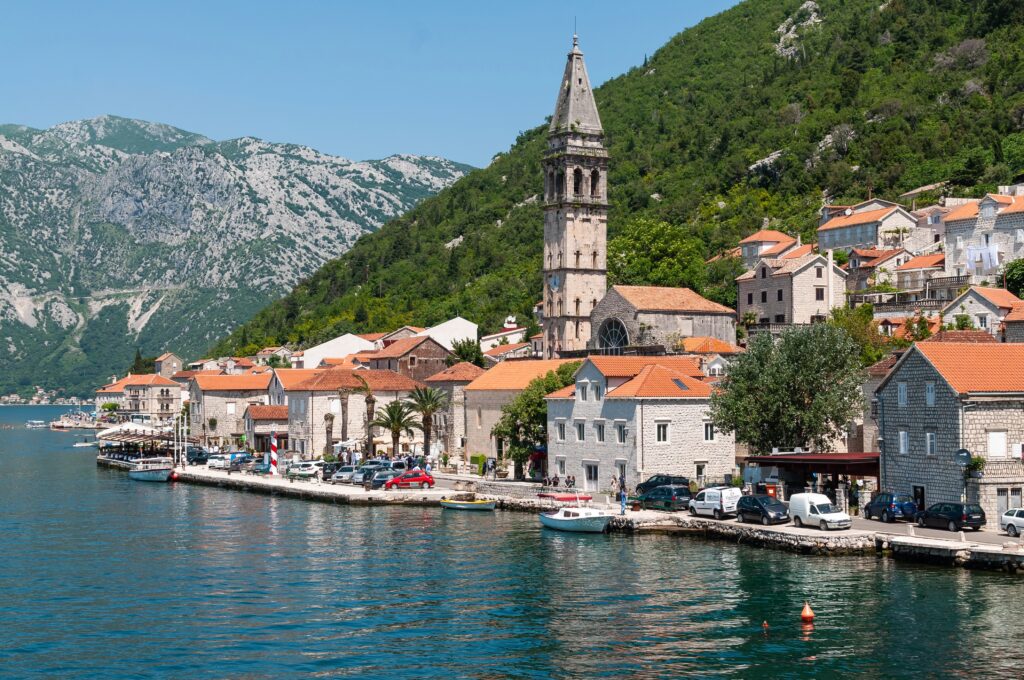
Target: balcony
{"x": 773, "y": 328}
{"x": 945, "y": 282}
{"x": 910, "y": 306}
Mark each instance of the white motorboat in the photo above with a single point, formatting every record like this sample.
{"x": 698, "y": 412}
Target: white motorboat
{"x": 578, "y": 519}
{"x": 478, "y": 504}
{"x": 151, "y": 469}
{"x": 36, "y": 424}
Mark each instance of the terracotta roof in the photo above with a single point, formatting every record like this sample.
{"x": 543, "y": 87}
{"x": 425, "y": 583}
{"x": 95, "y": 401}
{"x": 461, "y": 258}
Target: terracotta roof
{"x": 661, "y": 382}
{"x": 962, "y": 212}
{"x": 923, "y": 262}
{"x": 371, "y": 337}
{"x": 1016, "y": 313}
{"x": 224, "y": 383}
{"x": 267, "y": 350}
{"x": 499, "y": 350}
{"x": 867, "y": 253}
{"x": 138, "y": 380}
{"x": 782, "y": 266}
{"x": 567, "y": 392}
{"x": 975, "y": 336}
{"x": 806, "y": 249}
{"x": 190, "y": 374}
{"x": 663, "y": 299}
{"x": 1016, "y": 206}
{"x": 514, "y": 374}
{"x": 460, "y": 372}
{"x": 165, "y": 356}
{"x": 778, "y": 249}
{"x": 707, "y": 345}
{"x": 627, "y": 367}
{"x": 883, "y": 256}
{"x": 537, "y": 335}
{"x": 972, "y": 367}
{"x": 881, "y": 368}
{"x": 768, "y": 235}
{"x": 400, "y": 348}
{"x": 1000, "y": 297}
{"x": 934, "y": 326}
{"x": 334, "y": 379}
{"x": 866, "y": 217}
{"x": 290, "y": 377}
{"x": 263, "y": 412}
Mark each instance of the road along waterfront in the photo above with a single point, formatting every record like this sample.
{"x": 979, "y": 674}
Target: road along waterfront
{"x": 105, "y": 577}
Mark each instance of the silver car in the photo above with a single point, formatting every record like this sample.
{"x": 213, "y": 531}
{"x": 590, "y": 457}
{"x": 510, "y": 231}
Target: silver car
{"x": 1012, "y": 521}
{"x": 343, "y": 475}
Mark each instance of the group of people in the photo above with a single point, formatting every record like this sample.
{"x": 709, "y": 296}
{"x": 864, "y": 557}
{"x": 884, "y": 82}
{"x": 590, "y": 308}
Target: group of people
{"x": 570, "y": 481}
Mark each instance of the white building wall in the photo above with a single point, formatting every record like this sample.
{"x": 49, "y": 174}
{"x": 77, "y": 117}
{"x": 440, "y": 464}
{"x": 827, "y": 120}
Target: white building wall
{"x": 339, "y": 347}
{"x": 451, "y": 331}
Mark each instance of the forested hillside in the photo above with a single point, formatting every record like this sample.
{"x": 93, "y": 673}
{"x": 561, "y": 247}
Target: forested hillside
{"x": 761, "y": 112}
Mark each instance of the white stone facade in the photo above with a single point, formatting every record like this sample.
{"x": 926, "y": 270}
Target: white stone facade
{"x": 779, "y": 293}
{"x": 226, "y": 407}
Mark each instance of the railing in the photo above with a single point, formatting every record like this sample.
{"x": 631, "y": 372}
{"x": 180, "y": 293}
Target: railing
{"x": 909, "y": 305}
{"x": 773, "y": 328}
{"x": 948, "y": 281}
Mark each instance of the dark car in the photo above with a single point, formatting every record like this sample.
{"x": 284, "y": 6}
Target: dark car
{"x": 952, "y": 516}
{"x": 383, "y": 476}
{"x": 666, "y": 497}
{"x": 329, "y": 469}
{"x": 890, "y": 507}
{"x": 661, "y": 480}
{"x": 761, "y": 508}
{"x": 239, "y": 461}
{"x": 196, "y": 455}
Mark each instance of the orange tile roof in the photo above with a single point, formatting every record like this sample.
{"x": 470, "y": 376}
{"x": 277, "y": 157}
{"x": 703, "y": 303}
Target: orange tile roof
{"x": 515, "y": 374}
{"x": 334, "y": 379}
{"x": 1016, "y": 206}
{"x": 962, "y": 212}
{"x": 923, "y": 262}
{"x": 290, "y": 377}
{"x": 806, "y": 249}
{"x": 661, "y": 382}
{"x": 707, "y": 345}
{"x": 664, "y": 299}
{"x": 226, "y": 383}
{"x": 499, "y": 350}
{"x": 460, "y": 372}
{"x": 165, "y": 356}
{"x": 1016, "y": 313}
{"x": 537, "y": 335}
{"x": 866, "y": 217}
{"x": 885, "y": 256}
{"x": 137, "y": 380}
{"x": 627, "y": 367}
{"x": 1000, "y": 297}
{"x": 400, "y": 348}
{"x": 778, "y": 249}
{"x": 264, "y": 412}
{"x": 962, "y": 336}
{"x": 900, "y": 331}
{"x": 243, "y": 362}
{"x": 190, "y": 374}
{"x": 973, "y": 367}
{"x": 769, "y": 235}
{"x": 371, "y": 337}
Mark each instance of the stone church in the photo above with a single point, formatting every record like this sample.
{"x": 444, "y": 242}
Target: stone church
{"x": 574, "y": 310}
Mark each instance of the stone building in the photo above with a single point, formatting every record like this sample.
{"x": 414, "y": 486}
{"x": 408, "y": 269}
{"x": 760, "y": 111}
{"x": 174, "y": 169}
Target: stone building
{"x": 983, "y": 236}
{"x": 766, "y": 243}
{"x": 514, "y": 350}
{"x": 797, "y": 290}
{"x": 655, "y": 315}
{"x": 167, "y": 364}
{"x": 575, "y": 212}
{"x": 872, "y": 224}
{"x": 987, "y": 308}
{"x": 261, "y": 422}
{"x": 1013, "y": 325}
{"x": 338, "y": 392}
{"x": 450, "y": 426}
{"x": 869, "y": 267}
{"x": 416, "y": 357}
{"x": 919, "y": 277}
{"x": 941, "y": 397}
{"x": 148, "y": 398}
{"x": 489, "y": 392}
{"x": 636, "y": 417}
{"x": 285, "y": 380}
{"x": 218, "y": 404}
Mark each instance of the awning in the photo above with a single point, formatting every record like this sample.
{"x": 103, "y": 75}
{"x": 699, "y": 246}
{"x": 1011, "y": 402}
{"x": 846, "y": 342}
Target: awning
{"x": 858, "y": 464}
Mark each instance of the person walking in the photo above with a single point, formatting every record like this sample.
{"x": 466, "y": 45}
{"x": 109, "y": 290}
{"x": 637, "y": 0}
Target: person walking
{"x": 622, "y": 499}
{"x": 615, "y": 486}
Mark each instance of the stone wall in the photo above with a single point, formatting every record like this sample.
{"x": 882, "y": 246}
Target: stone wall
{"x": 1014, "y": 331}
{"x": 799, "y": 303}
{"x": 214, "y": 404}
{"x": 483, "y": 410}
{"x": 307, "y": 429}
{"x": 1001, "y": 232}
{"x": 1001, "y": 473}
{"x": 983, "y": 313}
{"x": 659, "y": 328}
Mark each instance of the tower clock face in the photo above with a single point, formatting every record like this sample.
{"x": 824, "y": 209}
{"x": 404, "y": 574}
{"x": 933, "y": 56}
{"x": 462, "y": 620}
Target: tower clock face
{"x": 553, "y": 281}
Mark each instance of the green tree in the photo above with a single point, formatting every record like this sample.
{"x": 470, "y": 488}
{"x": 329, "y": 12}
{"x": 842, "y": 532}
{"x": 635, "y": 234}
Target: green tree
{"x": 800, "y": 390}
{"x": 427, "y": 401}
{"x": 142, "y": 365}
{"x": 859, "y": 324}
{"x": 523, "y": 422}
{"x": 109, "y": 407}
{"x": 918, "y": 329}
{"x": 963, "y": 322}
{"x": 466, "y": 350}
{"x": 276, "y": 361}
{"x": 1014, "y": 275}
{"x": 649, "y": 252}
{"x": 396, "y": 417}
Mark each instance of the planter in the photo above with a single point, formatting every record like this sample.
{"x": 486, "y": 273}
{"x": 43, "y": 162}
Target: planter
{"x": 977, "y": 474}
{"x": 501, "y": 474}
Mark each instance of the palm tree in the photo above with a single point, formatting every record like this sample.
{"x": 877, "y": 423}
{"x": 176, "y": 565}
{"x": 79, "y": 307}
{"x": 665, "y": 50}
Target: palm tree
{"x": 426, "y": 401}
{"x": 329, "y": 426}
{"x": 343, "y": 400}
{"x": 397, "y": 417}
{"x": 367, "y": 392}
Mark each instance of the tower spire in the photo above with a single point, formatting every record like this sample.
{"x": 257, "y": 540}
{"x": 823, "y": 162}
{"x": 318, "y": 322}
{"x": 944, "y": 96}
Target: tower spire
{"x": 575, "y": 109}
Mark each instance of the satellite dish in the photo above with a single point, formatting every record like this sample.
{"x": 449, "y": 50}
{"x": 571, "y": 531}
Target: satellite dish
{"x": 848, "y": 212}
{"x": 962, "y": 457}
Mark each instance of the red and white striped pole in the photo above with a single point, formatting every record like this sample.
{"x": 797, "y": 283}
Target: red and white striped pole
{"x": 273, "y": 453}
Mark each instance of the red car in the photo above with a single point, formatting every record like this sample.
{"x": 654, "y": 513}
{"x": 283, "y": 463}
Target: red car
{"x": 410, "y": 479}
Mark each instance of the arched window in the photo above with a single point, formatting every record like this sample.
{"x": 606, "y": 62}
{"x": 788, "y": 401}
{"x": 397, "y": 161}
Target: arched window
{"x": 550, "y": 189}
{"x": 577, "y": 182}
{"x": 595, "y": 184}
{"x": 612, "y": 337}
{"x": 559, "y": 184}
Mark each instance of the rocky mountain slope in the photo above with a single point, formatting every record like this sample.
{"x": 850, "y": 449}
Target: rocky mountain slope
{"x": 760, "y": 113}
{"x": 117, "y": 233}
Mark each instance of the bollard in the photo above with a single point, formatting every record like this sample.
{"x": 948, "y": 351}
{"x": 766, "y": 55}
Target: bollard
{"x": 910, "y": 530}
{"x": 963, "y": 539}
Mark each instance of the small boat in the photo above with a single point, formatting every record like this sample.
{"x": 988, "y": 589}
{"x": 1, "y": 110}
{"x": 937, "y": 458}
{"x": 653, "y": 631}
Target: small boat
{"x": 35, "y": 424}
{"x": 581, "y": 520}
{"x": 468, "y": 505}
{"x": 84, "y": 444}
{"x": 151, "y": 469}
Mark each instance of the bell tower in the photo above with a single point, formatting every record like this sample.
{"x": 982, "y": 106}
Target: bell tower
{"x": 575, "y": 212}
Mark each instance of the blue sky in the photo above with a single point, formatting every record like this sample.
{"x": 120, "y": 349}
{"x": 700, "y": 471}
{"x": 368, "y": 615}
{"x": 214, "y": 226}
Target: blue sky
{"x": 362, "y": 80}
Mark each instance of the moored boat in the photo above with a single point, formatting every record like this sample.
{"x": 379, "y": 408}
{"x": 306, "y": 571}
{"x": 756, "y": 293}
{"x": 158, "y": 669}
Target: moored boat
{"x": 577, "y": 519}
{"x": 468, "y": 505}
{"x": 35, "y": 424}
{"x": 151, "y": 469}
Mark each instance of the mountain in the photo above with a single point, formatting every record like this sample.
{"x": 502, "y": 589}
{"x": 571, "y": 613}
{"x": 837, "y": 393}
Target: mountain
{"x": 119, "y": 233}
{"x": 756, "y": 115}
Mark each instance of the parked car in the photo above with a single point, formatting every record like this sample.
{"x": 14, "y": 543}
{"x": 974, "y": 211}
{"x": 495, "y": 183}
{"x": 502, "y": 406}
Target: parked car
{"x": 218, "y": 461}
{"x": 410, "y": 479}
{"x": 382, "y": 476}
{"x": 952, "y": 516}
{"x": 306, "y": 470}
{"x": 259, "y": 469}
{"x": 238, "y": 461}
{"x": 1012, "y": 521}
{"x": 365, "y": 472}
{"x": 890, "y": 507}
{"x": 761, "y": 508}
{"x": 816, "y": 510}
{"x": 399, "y": 465}
{"x": 343, "y": 475}
{"x": 666, "y": 497}
{"x": 717, "y": 501}
{"x": 328, "y": 469}
{"x": 661, "y": 480}
{"x": 196, "y": 455}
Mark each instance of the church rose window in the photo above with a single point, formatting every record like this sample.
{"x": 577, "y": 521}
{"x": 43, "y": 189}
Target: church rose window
{"x": 612, "y": 337}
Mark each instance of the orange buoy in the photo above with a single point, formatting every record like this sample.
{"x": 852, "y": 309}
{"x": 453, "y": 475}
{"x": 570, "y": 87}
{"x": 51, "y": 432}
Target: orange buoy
{"x": 807, "y": 615}
{"x": 174, "y": 476}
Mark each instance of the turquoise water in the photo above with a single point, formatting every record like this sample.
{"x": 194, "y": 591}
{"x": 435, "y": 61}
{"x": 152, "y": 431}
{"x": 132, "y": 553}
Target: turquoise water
{"x": 101, "y": 577}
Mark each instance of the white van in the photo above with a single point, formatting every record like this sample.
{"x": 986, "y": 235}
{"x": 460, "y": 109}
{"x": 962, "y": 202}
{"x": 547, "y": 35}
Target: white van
{"x": 717, "y": 501}
{"x": 816, "y": 510}
{"x": 218, "y": 461}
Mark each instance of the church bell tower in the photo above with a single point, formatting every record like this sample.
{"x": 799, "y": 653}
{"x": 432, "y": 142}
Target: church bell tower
{"x": 575, "y": 212}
